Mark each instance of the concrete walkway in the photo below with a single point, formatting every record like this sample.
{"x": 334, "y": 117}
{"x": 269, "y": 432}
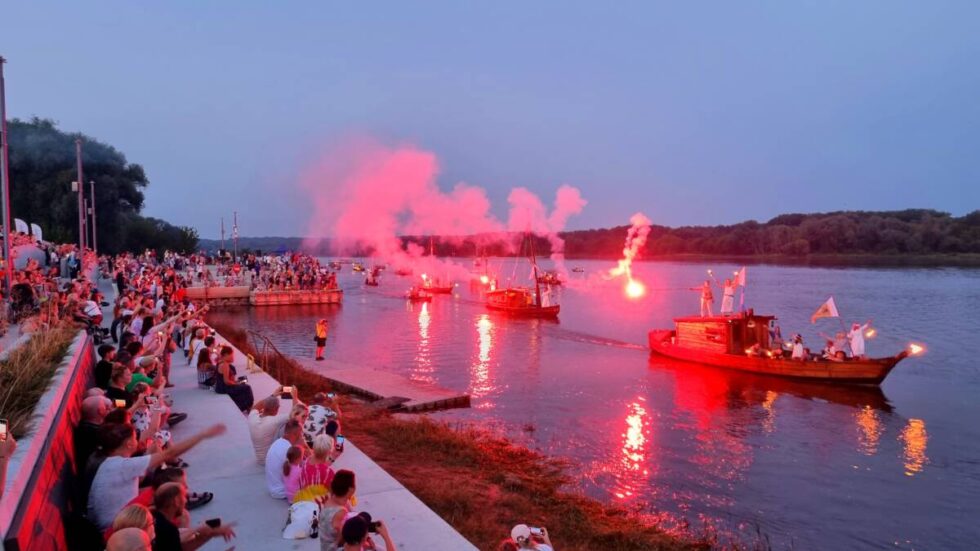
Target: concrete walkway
{"x": 227, "y": 467}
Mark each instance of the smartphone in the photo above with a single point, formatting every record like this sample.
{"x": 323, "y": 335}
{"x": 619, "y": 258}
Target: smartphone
{"x": 213, "y": 522}
{"x": 536, "y": 531}
{"x": 120, "y": 403}
{"x": 374, "y": 527}
{"x": 340, "y": 443}
{"x": 3, "y": 430}
{"x": 331, "y": 395}
{"x": 287, "y": 390}
{"x": 150, "y": 400}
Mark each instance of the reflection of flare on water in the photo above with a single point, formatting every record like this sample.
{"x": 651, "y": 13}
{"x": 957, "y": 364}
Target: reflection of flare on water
{"x": 768, "y": 405}
{"x": 914, "y": 439}
{"x": 870, "y": 429}
{"x": 633, "y": 468}
{"x": 423, "y": 363}
{"x": 480, "y": 371}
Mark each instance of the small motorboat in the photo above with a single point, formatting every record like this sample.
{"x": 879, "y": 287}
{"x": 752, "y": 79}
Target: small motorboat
{"x": 418, "y": 295}
{"x": 578, "y": 270}
{"x": 742, "y": 342}
{"x": 403, "y": 271}
{"x": 357, "y": 267}
{"x": 334, "y": 265}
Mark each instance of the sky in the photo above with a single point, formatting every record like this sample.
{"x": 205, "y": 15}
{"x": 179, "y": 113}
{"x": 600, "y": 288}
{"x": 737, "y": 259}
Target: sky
{"x": 696, "y": 113}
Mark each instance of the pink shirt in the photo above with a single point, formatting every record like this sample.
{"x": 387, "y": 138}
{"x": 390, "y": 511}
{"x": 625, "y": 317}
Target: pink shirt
{"x": 291, "y": 481}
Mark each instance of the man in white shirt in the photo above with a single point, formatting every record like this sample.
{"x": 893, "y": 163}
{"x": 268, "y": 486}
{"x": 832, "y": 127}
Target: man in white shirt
{"x": 265, "y": 420}
{"x": 116, "y": 481}
{"x": 276, "y": 457}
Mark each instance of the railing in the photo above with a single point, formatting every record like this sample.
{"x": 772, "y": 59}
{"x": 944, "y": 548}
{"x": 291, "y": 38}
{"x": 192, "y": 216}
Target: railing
{"x": 265, "y": 349}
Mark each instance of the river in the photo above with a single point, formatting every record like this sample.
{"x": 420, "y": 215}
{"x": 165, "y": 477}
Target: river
{"x": 809, "y": 466}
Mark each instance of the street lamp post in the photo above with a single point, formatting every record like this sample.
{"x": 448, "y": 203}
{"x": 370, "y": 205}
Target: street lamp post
{"x": 91, "y": 206}
{"x": 8, "y": 264}
{"x": 81, "y": 197}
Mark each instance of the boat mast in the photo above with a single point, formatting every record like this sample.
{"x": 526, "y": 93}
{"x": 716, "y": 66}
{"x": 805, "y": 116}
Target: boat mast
{"x": 534, "y": 270}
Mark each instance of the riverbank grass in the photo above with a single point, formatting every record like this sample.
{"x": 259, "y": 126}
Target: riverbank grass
{"x": 26, "y": 374}
{"x": 478, "y": 482}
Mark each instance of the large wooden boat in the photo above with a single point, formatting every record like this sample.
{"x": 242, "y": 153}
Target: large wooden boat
{"x": 730, "y": 342}
{"x": 520, "y": 301}
{"x": 293, "y": 297}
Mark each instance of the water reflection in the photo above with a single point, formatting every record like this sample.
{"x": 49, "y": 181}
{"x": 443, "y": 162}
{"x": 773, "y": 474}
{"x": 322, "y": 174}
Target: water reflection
{"x": 480, "y": 370}
{"x": 914, "y": 439}
{"x": 768, "y": 405}
{"x": 633, "y": 463}
{"x": 422, "y": 370}
{"x": 870, "y": 429}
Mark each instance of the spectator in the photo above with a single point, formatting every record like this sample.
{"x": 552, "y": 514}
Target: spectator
{"x": 227, "y": 383}
{"x": 276, "y": 456}
{"x": 116, "y": 481}
{"x": 265, "y": 420}
{"x": 206, "y": 371}
{"x": 118, "y": 381}
{"x": 526, "y": 539}
{"x": 320, "y": 413}
{"x": 169, "y": 510}
{"x": 292, "y": 469}
{"x": 7, "y": 448}
{"x": 335, "y": 509}
{"x": 94, "y": 410}
{"x": 103, "y": 369}
{"x": 129, "y": 539}
{"x": 133, "y": 516}
{"x": 314, "y": 482}
{"x": 355, "y": 533}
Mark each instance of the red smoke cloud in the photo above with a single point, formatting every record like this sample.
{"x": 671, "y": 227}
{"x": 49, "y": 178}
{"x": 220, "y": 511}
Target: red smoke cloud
{"x": 368, "y": 194}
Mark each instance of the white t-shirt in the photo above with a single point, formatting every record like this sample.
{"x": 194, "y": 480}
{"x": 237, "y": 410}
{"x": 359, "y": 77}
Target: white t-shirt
{"x": 116, "y": 483}
{"x": 263, "y": 431}
{"x": 273, "y": 468}
{"x": 92, "y": 309}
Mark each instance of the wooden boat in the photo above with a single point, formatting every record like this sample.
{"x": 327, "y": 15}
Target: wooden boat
{"x": 357, "y": 267}
{"x": 728, "y": 342}
{"x": 371, "y": 282}
{"x": 403, "y": 272}
{"x": 520, "y": 301}
{"x": 334, "y": 265}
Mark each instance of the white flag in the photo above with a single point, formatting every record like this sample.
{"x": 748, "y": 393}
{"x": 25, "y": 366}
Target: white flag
{"x": 740, "y": 277}
{"x": 36, "y": 232}
{"x": 20, "y": 225}
{"x": 826, "y": 310}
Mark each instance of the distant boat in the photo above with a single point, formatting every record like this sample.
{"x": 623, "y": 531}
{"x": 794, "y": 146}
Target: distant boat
{"x": 357, "y": 267}
{"x": 403, "y": 271}
{"x": 728, "y": 341}
{"x": 520, "y": 301}
{"x": 578, "y": 270}
{"x": 418, "y": 295}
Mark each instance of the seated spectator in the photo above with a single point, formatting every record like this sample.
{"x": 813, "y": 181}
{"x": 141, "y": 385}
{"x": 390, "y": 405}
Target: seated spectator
{"x": 103, "y": 369}
{"x": 169, "y": 511}
{"x": 133, "y": 516}
{"x": 118, "y": 381}
{"x": 228, "y": 383}
{"x": 206, "y": 370}
{"x": 526, "y": 539}
{"x": 116, "y": 480}
{"x": 334, "y": 509}
{"x": 314, "y": 481}
{"x": 265, "y": 420}
{"x": 276, "y": 456}
{"x": 7, "y": 448}
{"x": 129, "y": 539}
{"x": 94, "y": 410}
{"x": 319, "y": 414}
{"x": 292, "y": 469}
{"x": 356, "y": 530}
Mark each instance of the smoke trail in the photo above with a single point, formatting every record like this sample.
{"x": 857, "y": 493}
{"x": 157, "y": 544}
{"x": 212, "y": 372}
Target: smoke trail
{"x": 636, "y": 237}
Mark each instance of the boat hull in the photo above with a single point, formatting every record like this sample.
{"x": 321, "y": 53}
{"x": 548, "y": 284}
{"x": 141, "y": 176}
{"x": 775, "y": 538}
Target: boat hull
{"x": 868, "y": 372}
{"x": 545, "y": 312}
{"x": 439, "y": 290}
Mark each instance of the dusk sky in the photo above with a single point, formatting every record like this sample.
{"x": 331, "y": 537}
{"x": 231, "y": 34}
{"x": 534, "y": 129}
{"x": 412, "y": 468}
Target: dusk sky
{"x": 694, "y": 113}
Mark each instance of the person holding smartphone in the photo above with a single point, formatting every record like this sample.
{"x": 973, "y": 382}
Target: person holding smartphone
{"x": 357, "y": 530}
{"x": 170, "y": 502}
{"x": 7, "y": 448}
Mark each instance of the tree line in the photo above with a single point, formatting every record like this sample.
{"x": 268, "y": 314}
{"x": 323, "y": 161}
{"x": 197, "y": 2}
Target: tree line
{"x": 42, "y": 168}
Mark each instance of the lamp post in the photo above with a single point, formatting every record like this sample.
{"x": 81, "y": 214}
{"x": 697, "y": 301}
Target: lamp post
{"x": 81, "y": 196}
{"x": 8, "y": 264}
{"x": 91, "y": 208}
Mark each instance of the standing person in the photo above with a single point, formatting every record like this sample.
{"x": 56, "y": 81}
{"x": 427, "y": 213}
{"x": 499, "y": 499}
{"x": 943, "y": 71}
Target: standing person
{"x": 728, "y": 298}
{"x": 707, "y": 299}
{"x": 856, "y": 339}
{"x": 320, "y": 338}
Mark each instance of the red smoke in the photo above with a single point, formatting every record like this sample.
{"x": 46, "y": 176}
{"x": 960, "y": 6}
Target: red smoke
{"x": 368, "y": 194}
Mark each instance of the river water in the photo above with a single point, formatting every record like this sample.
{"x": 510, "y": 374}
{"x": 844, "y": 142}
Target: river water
{"x": 808, "y": 465}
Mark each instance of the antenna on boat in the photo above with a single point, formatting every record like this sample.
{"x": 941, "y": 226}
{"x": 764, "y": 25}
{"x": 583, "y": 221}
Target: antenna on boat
{"x": 534, "y": 270}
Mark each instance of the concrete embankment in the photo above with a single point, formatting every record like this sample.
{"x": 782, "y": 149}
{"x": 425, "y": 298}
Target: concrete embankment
{"x": 227, "y": 467}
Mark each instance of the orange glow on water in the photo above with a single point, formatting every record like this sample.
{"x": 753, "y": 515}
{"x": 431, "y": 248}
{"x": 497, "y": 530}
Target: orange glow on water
{"x": 423, "y": 362}
{"x": 633, "y": 469}
{"x": 871, "y": 428}
{"x": 914, "y": 440}
{"x": 480, "y": 384}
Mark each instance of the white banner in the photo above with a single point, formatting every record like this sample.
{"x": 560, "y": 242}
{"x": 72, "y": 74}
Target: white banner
{"x": 36, "y": 232}
{"x": 21, "y": 226}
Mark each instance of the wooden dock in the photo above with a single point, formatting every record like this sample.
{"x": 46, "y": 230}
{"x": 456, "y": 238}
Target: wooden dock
{"x": 401, "y": 392}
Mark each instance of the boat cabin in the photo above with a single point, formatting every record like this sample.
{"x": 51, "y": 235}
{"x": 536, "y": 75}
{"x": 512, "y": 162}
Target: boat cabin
{"x": 511, "y": 298}
{"x": 723, "y": 334}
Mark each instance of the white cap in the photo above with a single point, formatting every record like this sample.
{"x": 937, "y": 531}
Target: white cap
{"x": 520, "y": 533}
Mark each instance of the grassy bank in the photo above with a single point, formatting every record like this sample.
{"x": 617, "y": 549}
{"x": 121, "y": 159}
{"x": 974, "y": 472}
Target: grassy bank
{"x": 26, "y": 374}
{"x": 479, "y": 483}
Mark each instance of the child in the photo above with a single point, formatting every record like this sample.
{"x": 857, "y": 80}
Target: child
{"x": 291, "y": 471}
